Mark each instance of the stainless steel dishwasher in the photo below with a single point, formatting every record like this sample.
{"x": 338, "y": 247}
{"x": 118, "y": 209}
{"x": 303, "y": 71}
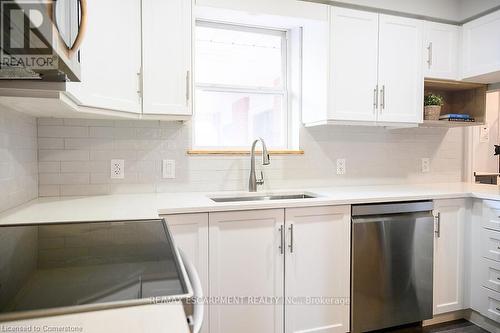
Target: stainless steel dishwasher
{"x": 392, "y": 263}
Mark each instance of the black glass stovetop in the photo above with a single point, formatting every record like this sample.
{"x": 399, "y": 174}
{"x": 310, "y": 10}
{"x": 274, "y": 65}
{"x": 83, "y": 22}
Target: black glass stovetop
{"x": 48, "y": 266}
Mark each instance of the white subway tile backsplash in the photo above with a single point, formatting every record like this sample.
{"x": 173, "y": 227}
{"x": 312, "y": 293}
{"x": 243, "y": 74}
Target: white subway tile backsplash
{"x": 63, "y": 155}
{"x": 374, "y": 156}
{"x": 18, "y": 159}
{"x": 63, "y": 132}
{"x": 50, "y": 143}
{"x": 49, "y": 167}
{"x": 48, "y": 190}
{"x": 63, "y": 178}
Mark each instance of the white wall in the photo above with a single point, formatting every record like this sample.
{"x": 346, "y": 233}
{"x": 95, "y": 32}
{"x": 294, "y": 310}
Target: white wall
{"x": 18, "y": 159}
{"x": 75, "y": 157}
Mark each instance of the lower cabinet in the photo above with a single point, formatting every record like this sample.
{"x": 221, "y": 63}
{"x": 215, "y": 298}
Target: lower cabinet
{"x": 190, "y": 233}
{"x": 449, "y": 255}
{"x": 317, "y": 269}
{"x": 293, "y": 264}
{"x": 246, "y": 260}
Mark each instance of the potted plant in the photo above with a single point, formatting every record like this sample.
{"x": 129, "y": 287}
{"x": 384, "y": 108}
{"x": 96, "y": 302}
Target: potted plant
{"x": 432, "y": 106}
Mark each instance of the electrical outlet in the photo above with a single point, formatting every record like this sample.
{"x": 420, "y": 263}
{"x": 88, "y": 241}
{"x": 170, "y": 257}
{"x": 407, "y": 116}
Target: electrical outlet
{"x": 426, "y": 164}
{"x": 341, "y": 168}
{"x": 168, "y": 169}
{"x": 117, "y": 169}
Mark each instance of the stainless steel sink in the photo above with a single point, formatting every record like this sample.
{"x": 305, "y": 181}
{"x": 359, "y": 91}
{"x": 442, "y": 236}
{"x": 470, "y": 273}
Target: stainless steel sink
{"x": 265, "y": 197}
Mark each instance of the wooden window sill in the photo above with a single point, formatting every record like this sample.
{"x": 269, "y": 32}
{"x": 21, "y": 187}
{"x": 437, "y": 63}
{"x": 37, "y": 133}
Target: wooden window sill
{"x": 243, "y": 152}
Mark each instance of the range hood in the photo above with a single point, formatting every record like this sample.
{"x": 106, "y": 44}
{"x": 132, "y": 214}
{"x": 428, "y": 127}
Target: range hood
{"x": 40, "y": 40}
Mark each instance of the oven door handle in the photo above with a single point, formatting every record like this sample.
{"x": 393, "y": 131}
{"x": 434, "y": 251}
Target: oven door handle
{"x": 198, "y": 304}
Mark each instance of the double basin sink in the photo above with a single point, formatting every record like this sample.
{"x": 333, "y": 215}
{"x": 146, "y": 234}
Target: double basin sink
{"x": 265, "y": 197}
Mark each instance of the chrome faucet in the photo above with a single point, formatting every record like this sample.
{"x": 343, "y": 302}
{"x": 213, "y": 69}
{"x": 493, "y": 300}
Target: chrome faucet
{"x": 253, "y": 181}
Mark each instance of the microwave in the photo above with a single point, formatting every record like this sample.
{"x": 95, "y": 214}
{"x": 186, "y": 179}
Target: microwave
{"x": 40, "y": 39}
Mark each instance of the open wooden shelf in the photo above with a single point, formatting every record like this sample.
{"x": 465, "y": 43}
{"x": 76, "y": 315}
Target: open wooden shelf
{"x": 445, "y": 123}
{"x": 459, "y": 97}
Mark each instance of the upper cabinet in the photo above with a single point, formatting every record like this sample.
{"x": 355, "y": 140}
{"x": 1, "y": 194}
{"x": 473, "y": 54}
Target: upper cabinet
{"x": 481, "y": 49}
{"x": 138, "y": 62}
{"x": 111, "y": 57}
{"x": 353, "y": 65}
{"x": 400, "y": 80}
{"x": 370, "y": 56}
{"x": 166, "y": 54}
{"x": 441, "y": 51}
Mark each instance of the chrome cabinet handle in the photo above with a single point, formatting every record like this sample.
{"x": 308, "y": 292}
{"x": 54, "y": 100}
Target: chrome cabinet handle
{"x": 188, "y": 87}
{"x": 429, "y": 55}
{"x": 382, "y": 97}
{"x": 438, "y": 225}
{"x": 375, "y": 98}
{"x": 282, "y": 240}
{"x": 139, "y": 83}
{"x": 290, "y": 246}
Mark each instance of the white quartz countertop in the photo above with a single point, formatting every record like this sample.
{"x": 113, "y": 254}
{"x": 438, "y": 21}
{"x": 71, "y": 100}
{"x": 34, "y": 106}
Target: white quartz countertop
{"x": 150, "y": 206}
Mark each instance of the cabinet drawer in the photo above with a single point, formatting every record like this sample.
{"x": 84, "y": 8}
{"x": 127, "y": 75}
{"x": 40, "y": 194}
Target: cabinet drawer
{"x": 490, "y": 304}
{"x": 491, "y": 244}
{"x": 490, "y": 274}
{"x": 491, "y": 215}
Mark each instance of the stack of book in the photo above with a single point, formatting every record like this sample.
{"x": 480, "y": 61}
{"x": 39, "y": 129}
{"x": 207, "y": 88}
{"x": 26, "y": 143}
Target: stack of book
{"x": 457, "y": 117}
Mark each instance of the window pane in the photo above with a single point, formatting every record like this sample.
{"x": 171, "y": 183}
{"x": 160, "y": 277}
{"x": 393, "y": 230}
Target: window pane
{"x": 238, "y": 58}
{"x": 234, "y": 120}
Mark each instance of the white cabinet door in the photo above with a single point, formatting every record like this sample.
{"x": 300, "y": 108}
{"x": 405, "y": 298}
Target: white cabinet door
{"x": 318, "y": 265}
{"x": 449, "y": 255}
{"x": 167, "y": 27}
{"x": 481, "y": 48}
{"x": 190, "y": 233}
{"x": 401, "y": 83}
{"x": 441, "y": 50}
{"x": 353, "y": 65}
{"x": 246, "y": 261}
{"x": 111, "y": 57}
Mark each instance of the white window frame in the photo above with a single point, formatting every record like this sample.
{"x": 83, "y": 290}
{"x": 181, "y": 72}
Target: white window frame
{"x": 283, "y": 91}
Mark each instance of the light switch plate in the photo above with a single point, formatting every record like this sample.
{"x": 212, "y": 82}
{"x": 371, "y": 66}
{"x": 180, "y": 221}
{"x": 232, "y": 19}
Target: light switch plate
{"x": 117, "y": 169}
{"x": 168, "y": 169}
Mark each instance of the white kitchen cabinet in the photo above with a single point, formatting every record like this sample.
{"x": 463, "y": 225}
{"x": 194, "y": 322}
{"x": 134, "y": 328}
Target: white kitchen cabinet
{"x": 481, "y": 49}
{"x": 441, "y": 51}
{"x": 353, "y": 65}
{"x": 318, "y": 265}
{"x": 111, "y": 57}
{"x": 166, "y": 52}
{"x": 246, "y": 261}
{"x": 401, "y": 84}
{"x": 375, "y": 74}
{"x": 190, "y": 233}
{"x": 449, "y": 255}
{"x": 138, "y": 62}
{"x": 248, "y": 253}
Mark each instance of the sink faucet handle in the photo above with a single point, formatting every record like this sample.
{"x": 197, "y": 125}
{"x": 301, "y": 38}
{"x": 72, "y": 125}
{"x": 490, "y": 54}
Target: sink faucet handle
{"x": 261, "y": 180}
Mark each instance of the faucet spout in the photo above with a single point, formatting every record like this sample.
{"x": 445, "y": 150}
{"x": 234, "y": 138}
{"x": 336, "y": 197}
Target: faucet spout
{"x": 253, "y": 181}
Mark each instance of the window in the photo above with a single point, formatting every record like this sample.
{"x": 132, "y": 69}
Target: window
{"x": 240, "y": 87}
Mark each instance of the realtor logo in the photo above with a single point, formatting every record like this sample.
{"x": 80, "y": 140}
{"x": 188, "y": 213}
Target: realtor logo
{"x": 26, "y": 32}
